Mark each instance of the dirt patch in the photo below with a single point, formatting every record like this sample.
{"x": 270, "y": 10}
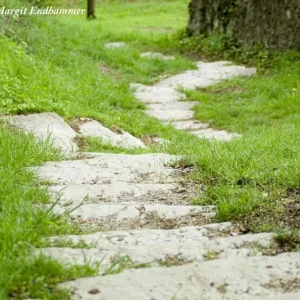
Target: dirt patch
{"x": 284, "y": 285}
{"x": 282, "y": 214}
{"x": 173, "y": 260}
{"x": 152, "y": 140}
{"x": 107, "y": 71}
{"x": 75, "y": 123}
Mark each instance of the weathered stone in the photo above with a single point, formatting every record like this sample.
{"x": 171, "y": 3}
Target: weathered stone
{"x": 156, "y": 55}
{"x": 154, "y": 94}
{"x": 123, "y": 139}
{"x": 107, "y": 168}
{"x": 116, "y": 191}
{"x": 47, "y": 126}
{"x": 207, "y": 73}
{"x": 180, "y": 105}
{"x": 190, "y": 125}
{"x": 251, "y": 278}
{"x": 213, "y": 134}
{"x": 132, "y": 216}
{"x": 171, "y": 115}
{"x": 153, "y": 245}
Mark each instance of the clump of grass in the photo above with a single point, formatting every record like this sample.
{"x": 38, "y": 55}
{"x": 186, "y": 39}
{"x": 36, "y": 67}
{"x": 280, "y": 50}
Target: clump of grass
{"x": 288, "y": 240}
{"x": 23, "y": 223}
{"x": 120, "y": 264}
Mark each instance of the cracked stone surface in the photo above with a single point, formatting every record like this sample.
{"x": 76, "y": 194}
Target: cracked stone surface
{"x": 47, "y": 126}
{"x": 248, "y": 278}
{"x": 165, "y": 103}
{"x": 132, "y": 216}
{"x": 109, "y": 168}
{"x": 92, "y": 128}
{"x": 110, "y": 191}
{"x": 157, "y": 55}
{"x": 119, "y": 191}
{"x": 194, "y": 243}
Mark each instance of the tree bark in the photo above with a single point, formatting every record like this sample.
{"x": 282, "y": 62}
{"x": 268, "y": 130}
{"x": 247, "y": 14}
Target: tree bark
{"x": 91, "y": 9}
{"x": 275, "y": 23}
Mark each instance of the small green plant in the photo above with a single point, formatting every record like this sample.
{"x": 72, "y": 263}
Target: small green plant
{"x": 288, "y": 240}
{"x": 120, "y": 264}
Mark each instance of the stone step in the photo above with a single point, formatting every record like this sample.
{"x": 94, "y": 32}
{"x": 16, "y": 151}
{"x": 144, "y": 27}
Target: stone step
{"x": 171, "y": 115}
{"x": 47, "y": 126}
{"x": 107, "y": 168}
{"x": 190, "y": 125}
{"x": 180, "y": 105}
{"x": 207, "y": 73}
{"x": 247, "y": 278}
{"x": 117, "y": 191}
{"x": 220, "y": 135}
{"x": 155, "y": 94}
{"x": 133, "y": 216}
{"x": 198, "y": 243}
{"x": 92, "y": 128}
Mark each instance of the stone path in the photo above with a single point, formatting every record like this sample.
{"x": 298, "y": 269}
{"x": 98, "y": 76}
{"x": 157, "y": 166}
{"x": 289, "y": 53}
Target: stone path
{"x": 135, "y": 212}
{"x": 165, "y": 103}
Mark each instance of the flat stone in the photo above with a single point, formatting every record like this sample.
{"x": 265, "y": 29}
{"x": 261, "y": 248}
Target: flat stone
{"x": 117, "y": 191}
{"x": 171, "y": 115}
{"x": 250, "y": 278}
{"x": 153, "y": 245}
{"x": 156, "y": 55}
{"x": 123, "y": 139}
{"x": 114, "y": 45}
{"x": 133, "y": 216}
{"x": 220, "y": 135}
{"x": 207, "y": 73}
{"x": 47, "y": 126}
{"x": 107, "y": 168}
{"x": 190, "y": 125}
{"x": 155, "y": 94}
{"x": 180, "y": 105}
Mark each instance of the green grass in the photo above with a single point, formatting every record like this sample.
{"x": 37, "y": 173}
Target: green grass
{"x": 23, "y": 223}
{"x": 60, "y": 64}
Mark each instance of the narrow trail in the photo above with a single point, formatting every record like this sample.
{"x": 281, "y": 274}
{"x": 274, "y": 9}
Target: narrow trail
{"x": 138, "y": 206}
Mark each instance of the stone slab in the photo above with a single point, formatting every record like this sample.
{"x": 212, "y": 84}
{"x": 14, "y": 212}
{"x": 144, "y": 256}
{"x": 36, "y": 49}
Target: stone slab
{"x": 213, "y": 134}
{"x": 152, "y": 245}
{"x": 118, "y": 191}
{"x": 190, "y": 125}
{"x": 107, "y": 168}
{"x": 123, "y": 139}
{"x": 180, "y": 105}
{"x": 157, "y": 55}
{"x": 155, "y": 94}
{"x": 47, "y": 126}
{"x": 251, "y": 278}
{"x": 133, "y": 216}
{"x": 171, "y": 115}
{"x": 207, "y": 73}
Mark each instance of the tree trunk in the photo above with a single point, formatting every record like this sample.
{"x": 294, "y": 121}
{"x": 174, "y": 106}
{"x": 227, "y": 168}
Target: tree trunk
{"x": 275, "y": 23}
{"x": 91, "y": 9}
